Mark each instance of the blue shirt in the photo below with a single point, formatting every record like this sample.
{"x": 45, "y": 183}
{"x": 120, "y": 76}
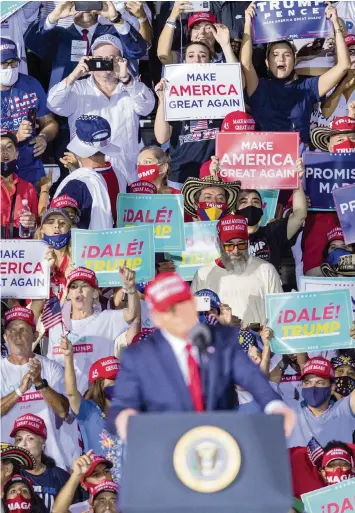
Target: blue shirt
{"x": 278, "y": 106}
{"x": 49, "y": 484}
{"x": 26, "y": 93}
{"x": 92, "y": 426}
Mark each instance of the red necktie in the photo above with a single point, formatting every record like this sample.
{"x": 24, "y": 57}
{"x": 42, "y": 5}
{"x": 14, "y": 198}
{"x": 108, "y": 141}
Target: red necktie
{"x": 84, "y": 37}
{"x": 195, "y": 380}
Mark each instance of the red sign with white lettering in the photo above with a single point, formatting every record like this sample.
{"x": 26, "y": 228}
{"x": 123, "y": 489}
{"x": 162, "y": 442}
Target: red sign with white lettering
{"x": 260, "y": 160}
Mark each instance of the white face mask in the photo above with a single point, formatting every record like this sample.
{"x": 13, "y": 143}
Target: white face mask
{"x": 8, "y": 76}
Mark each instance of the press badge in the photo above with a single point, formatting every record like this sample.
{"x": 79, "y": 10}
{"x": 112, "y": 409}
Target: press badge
{"x": 78, "y": 50}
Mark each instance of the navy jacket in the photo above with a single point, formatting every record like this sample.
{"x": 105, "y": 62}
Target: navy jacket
{"x": 150, "y": 379}
{"x": 55, "y": 45}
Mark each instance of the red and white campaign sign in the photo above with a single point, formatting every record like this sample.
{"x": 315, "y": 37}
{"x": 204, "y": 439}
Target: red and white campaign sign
{"x": 202, "y": 91}
{"x": 260, "y": 160}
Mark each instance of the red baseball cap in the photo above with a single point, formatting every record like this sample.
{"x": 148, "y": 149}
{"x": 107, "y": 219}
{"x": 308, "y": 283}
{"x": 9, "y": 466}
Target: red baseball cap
{"x": 319, "y": 366}
{"x": 65, "y": 201}
{"x": 30, "y": 422}
{"x": 106, "y": 368}
{"x": 232, "y": 227}
{"x": 238, "y": 121}
{"x": 342, "y": 124}
{"x": 105, "y": 486}
{"x": 97, "y": 459}
{"x": 20, "y": 313}
{"x": 165, "y": 291}
{"x": 335, "y": 234}
{"x": 197, "y": 17}
{"x": 337, "y": 453}
{"x": 142, "y": 187}
{"x": 84, "y": 274}
{"x": 350, "y": 40}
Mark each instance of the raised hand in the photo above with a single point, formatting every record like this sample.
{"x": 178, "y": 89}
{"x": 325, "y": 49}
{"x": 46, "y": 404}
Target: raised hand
{"x": 66, "y": 346}
{"x": 128, "y": 278}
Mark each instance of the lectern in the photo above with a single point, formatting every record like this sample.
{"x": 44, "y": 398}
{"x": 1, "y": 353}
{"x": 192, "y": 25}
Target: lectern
{"x": 213, "y": 462}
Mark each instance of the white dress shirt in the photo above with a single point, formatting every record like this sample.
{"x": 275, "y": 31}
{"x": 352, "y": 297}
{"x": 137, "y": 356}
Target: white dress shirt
{"x": 122, "y": 111}
{"x": 178, "y": 345}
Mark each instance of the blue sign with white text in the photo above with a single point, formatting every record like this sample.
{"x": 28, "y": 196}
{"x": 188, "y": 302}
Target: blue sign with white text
{"x": 275, "y": 21}
{"x": 324, "y": 173}
{"x": 309, "y": 321}
{"x": 344, "y": 200}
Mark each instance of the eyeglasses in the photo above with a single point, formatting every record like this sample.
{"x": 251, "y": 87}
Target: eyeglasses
{"x": 352, "y": 53}
{"x": 9, "y": 64}
{"x": 229, "y": 246}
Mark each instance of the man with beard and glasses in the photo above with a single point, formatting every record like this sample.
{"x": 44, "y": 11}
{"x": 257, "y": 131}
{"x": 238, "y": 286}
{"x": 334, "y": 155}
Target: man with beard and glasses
{"x": 240, "y": 280}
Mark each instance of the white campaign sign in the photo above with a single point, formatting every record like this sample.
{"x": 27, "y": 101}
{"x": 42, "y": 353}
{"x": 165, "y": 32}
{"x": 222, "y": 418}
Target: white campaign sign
{"x": 310, "y": 284}
{"x": 202, "y": 91}
{"x": 24, "y": 272}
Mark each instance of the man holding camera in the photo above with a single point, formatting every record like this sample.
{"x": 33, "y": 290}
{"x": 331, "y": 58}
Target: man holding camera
{"x": 64, "y": 47}
{"x": 110, "y": 92}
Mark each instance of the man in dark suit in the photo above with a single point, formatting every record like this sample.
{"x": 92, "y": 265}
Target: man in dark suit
{"x": 64, "y": 47}
{"x": 161, "y": 374}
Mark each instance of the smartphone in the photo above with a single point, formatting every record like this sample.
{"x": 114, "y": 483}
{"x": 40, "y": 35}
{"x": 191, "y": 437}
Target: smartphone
{"x": 203, "y": 303}
{"x": 100, "y": 64}
{"x": 31, "y": 117}
{"x": 199, "y": 7}
{"x": 88, "y": 6}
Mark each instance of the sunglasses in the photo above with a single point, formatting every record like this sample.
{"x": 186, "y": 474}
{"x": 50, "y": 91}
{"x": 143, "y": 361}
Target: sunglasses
{"x": 229, "y": 246}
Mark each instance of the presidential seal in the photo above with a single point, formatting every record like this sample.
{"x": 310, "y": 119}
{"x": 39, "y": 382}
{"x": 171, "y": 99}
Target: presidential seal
{"x": 207, "y": 459}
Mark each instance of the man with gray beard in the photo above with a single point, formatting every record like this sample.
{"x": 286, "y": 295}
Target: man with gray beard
{"x": 240, "y": 280}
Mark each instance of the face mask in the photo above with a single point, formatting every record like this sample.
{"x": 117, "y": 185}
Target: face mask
{"x": 315, "y": 396}
{"x": 344, "y": 147}
{"x": 344, "y": 385}
{"x": 333, "y": 257}
{"x": 149, "y": 172}
{"x": 7, "y": 168}
{"x": 58, "y": 241}
{"x": 338, "y": 475}
{"x": 19, "y": 504}
{"x": 109, "y": 392}
{"x": 252, "y": 214}
{"x": 8, "y": 76}
{"x": 205, "y": 318}
{"x": 211, "y": 211}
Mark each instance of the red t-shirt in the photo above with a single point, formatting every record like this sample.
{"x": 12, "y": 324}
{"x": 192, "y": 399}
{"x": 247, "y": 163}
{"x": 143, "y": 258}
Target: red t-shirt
{"x": 23, "y": 190}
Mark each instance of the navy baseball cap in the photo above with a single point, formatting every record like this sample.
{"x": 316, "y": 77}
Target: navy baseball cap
{"x": 93, "y": 134}
{"x": 8, "y": 49}
{"x": 215, "y": 301}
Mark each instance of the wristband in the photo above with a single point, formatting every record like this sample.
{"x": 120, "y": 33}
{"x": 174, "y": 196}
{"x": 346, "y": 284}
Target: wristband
{"x": 142, "y": 20}
{"x": 126, "y": 82}
{"x": 18, "y": 392}
{"x": 339, "y": 31}
{"x": 171, "y": 24}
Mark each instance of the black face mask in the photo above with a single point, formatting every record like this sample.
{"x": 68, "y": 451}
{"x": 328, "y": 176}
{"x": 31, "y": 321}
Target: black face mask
{"x": 252, "y": 214}
{"x": 8, "y": 167}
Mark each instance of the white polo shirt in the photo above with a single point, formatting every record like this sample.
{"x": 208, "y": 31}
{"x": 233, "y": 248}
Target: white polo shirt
{"x": 121, "y": 110}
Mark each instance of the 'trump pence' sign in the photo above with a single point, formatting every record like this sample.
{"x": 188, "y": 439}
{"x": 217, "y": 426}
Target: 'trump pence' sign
{"x": 261, "y": 160}
{"x": 202, "y": 91}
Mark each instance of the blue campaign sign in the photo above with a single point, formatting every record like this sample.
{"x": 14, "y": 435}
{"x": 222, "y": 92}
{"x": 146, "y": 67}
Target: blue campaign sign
{"x": 324, "y": 173}
{"x": 344, "y": 200}
{"x": 275, "y": 21}
{"x": 269, "y": 203}
{"x": 336, "y": 498}
{"x": 313, "y": 321}
{"x": 201, "y": 249}
{"x": 164, "y": 211}
{"x": 105, "y": 251}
